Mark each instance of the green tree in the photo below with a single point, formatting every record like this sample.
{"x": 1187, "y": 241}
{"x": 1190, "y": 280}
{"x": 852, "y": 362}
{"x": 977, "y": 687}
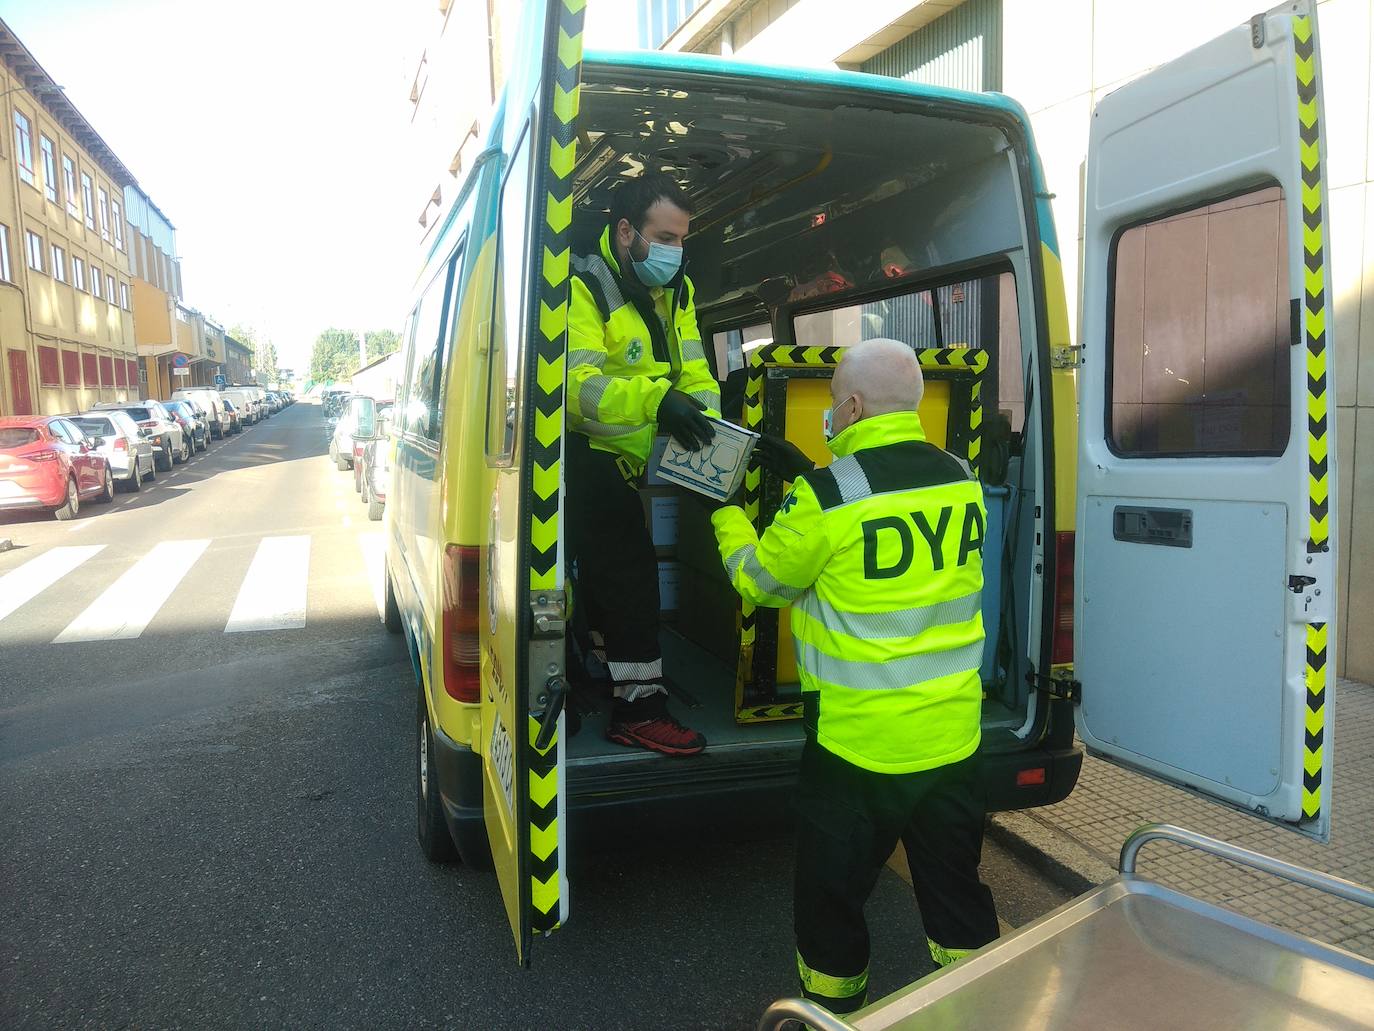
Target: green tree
{"x": 335, "y": 356}
{"x": 381, "y": 342}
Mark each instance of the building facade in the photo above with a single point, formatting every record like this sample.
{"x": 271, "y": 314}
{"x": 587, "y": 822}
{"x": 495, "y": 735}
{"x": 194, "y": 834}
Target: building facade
{"x": 66, "y": 309}
{"x": 1057, "y": 60}
{"x": 238, "y": 362}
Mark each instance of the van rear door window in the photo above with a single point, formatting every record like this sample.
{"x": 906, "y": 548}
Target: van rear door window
{"x": 505, "y": 386}
{"x": 423, "y": 414}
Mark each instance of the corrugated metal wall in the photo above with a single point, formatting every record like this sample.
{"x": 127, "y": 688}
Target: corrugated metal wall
{"x": 961, "y": 49}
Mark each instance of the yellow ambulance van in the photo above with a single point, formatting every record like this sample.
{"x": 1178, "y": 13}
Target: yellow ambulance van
{"x": 1159, "y": 553}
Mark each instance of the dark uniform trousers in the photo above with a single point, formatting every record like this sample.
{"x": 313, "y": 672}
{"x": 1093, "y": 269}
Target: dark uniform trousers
{"x": 849, "y": 822}
{"x": 617, "y": 567}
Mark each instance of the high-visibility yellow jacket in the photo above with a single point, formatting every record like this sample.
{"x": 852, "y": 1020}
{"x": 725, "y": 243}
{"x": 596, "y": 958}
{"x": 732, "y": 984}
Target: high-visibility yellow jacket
{"x": 627, "y": 347}
{"x": 880, "y": 557}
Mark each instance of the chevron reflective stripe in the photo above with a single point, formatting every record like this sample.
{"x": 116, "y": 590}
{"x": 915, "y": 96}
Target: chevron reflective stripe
{"x": 765, "y": 713}
{"x": 1314, "y": 335}
{"x": 829, "y": 986}
{"x": 544, "y": 454}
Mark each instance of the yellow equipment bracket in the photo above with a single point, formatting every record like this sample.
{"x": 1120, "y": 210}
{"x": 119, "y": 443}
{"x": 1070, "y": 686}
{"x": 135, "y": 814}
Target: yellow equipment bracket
{"x": 807, "y": 398}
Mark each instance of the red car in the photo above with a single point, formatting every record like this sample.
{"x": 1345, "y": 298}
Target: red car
{"x": 48, "y": 462}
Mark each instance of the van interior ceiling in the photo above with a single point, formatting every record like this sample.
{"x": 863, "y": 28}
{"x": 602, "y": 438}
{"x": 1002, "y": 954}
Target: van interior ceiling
{"x": 821, "y": 220}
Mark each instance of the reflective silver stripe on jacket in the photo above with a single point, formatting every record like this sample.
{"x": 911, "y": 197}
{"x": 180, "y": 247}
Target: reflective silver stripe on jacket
{"x": 906, "y": 671}
{"x": 763, "y": 579}
{"x": 707, "y": 397}
{"x": 692, "y": 351}
{"x": 850, "y": 479}
{"x": 595, "y": 266}
{"x": 602, "y": 430}
{"x": 589, "y": 397}
{"x": 586, "y": 356}
{"x": 909, "y": 622}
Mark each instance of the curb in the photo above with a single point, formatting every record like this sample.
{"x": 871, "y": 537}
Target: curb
{"x": 1051, "y": 852}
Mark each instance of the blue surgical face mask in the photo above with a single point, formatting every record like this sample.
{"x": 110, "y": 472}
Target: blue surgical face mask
{"x": 660, "y": 266}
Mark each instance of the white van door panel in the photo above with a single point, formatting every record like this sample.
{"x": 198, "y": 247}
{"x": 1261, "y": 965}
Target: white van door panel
{"x": 1205, "y": 547}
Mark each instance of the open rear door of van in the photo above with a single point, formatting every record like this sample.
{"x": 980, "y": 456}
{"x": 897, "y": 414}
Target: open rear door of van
{"x": 1205, "y": 555}
{"x": 523, "y": 687}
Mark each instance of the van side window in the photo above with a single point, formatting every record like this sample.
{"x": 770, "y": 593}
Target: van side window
{"x": 1199, "y": 324}
{"x": 505, "y": 385}
{"x": 423, "y": 414}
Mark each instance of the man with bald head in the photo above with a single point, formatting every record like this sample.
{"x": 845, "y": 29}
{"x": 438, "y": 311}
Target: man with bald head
{"x": 879, "y": 556}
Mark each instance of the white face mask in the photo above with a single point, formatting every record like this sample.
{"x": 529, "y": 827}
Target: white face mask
{"x": 828, "y": 427}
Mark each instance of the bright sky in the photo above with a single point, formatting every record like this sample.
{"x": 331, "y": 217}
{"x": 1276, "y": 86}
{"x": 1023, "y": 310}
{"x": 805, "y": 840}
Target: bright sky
{"x": 267, "y": 131}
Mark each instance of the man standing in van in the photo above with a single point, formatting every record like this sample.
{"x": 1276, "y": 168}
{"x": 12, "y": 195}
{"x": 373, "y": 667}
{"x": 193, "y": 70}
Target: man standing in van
{"x": 636, "y": 367}
{"x": 880, "y": 557}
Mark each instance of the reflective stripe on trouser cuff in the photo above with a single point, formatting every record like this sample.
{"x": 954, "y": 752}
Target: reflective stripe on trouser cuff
{"x": 910, "y": 622}
{"x": 762, "y": 578}
{"x": 944, "y": 956}
{"x": 635, "y": 680}
{"x": 847, "y": 993}
{"x": 906, "y": 671}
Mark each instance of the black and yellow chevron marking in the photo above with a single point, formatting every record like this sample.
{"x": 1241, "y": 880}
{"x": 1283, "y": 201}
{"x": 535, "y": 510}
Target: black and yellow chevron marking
{"x": 561, "y": 99}
{"x": 1314, "y": 333}
{"x": 790, "y": 356}
{"x": 768, "y": 713}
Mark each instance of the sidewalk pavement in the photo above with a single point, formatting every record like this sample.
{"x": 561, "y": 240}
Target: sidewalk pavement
{"x": 1077, "y": 841}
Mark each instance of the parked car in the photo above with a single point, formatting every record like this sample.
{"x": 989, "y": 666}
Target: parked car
{"x": 130, "y": 454}
{"x": 358, "y": 420}
{"x": 233, "y": 418}
{"x": 375, "y": 466}
{"x": 244, "y": 400}
{"x": 208, "y": 401}
{"x": 381, "y": 413}
{"x": 46, "y": 462}
{"x": 164, "y": 431}
{"x": 192, "y": 423}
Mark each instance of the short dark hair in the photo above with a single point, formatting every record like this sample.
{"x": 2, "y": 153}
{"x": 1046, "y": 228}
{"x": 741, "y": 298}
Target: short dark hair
{"x": 633, "y": 198}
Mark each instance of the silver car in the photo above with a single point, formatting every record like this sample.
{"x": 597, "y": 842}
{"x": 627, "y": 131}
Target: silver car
{"x": 166, "y": 435}
{"x": 117, "y": 437}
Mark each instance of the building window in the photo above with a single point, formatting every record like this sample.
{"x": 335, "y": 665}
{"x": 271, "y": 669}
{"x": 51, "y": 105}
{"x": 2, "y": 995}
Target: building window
{"x": 106, "y": 371}
{"x": 124, "y": 296}
{"x": 23, "y": 146}
{"x": 87, "y": 201}
{"x": 95, "y": 281}
{"x": 48, "y": 366}
{"x": 34, "y": 243}
{"x": 59, "y": 264}
{"x": 117, "y": 215}
{"x": 71, "y": 368}
{"x": 104, "y": 213}
{"x": 109, "y": 288}
{"x": 90, "y": 372}
{"x": 49, "y": 169}
{"x": 6, "y": 273}
{"x": 78, "y": 273}
{"x": 69, "y": 185}
{"x": 1200, "y": 344}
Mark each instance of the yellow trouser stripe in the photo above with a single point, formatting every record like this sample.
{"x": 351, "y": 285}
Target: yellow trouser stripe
{"x": 829, "y": 985}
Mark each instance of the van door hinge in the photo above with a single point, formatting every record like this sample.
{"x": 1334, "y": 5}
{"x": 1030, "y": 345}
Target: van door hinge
{"x": 546, "y": 609}
{"x": 1058, "y": 685}
{"x": 1065, "y": 356}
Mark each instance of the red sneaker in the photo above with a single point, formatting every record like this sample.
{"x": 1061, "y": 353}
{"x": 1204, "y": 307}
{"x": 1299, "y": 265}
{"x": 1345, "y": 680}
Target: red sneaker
{"x": 647, "y": 723}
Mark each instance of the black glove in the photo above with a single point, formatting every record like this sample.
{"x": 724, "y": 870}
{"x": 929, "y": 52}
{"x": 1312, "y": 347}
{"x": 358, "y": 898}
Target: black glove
{"x": 782, "y": 457}
{"x": 681, "y": 416}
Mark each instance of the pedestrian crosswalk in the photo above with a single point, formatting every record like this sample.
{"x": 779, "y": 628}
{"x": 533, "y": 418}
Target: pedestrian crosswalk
{"x": 119, "y": 597}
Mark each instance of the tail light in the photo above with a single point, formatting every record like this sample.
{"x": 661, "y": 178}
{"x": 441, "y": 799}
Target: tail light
{"x": 120, "y": 444}
{"x": 42, "y": 456}
{"x": 462, "y": 648}
{"x": 1061, "y": 651}
{"x": 148, "y": 422}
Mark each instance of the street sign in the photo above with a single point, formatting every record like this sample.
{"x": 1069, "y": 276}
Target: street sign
{"x": 181, "y": 372}
{"x": 181, "y": 361}
{"x": 220, "y": 380}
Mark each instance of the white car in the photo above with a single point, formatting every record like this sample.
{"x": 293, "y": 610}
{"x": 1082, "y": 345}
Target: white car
{"x": 117, "y": 436}
{"x": 245, "y": 402}
{"x": 208, "y": 401}
{"x": 170, "y": 444}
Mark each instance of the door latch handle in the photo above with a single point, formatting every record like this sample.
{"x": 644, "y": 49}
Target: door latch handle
{"x": 553, "y": 698}
{"x": 1297, "y": 583}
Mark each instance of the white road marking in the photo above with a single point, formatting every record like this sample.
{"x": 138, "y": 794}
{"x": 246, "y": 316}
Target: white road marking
{"x": 371, "y": 543}
{"x": 81, "y": 525}
{"x": 130, "y": 603}
{"x": 37, "y": 574}
{"x": 273, "y": 593}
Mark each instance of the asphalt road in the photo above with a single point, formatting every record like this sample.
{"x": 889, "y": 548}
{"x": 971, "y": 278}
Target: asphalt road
{"x": 215, "y": 829}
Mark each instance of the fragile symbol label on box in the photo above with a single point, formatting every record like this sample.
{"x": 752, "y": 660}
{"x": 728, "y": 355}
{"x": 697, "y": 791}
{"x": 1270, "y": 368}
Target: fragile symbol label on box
{"x": 715, "y": 470}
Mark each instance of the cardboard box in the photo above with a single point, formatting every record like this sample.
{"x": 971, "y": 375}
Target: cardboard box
{"x": 661, "y": 516}
{"x": 668, "y": 579}
{"x": 715, "y": 471}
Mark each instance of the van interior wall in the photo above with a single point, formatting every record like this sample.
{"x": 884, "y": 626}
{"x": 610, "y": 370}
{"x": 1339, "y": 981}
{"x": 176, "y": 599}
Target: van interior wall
{"x": 810, "y": 200}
